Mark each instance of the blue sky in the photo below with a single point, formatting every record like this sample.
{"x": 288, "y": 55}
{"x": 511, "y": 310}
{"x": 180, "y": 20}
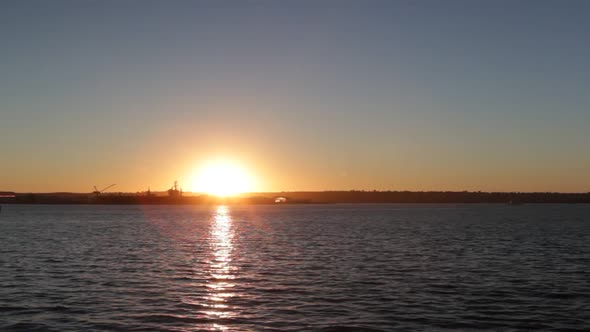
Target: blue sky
{"x": 310, "y": 95}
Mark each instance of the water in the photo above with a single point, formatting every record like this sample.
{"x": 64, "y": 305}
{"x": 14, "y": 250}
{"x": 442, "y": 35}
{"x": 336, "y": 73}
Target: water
{"x": 294, "y": 268}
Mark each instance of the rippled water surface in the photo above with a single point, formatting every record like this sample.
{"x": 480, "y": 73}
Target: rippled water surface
{"x": 300, "y": 268}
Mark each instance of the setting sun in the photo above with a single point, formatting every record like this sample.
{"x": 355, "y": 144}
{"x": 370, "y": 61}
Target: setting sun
{"x": 222, "y": 178}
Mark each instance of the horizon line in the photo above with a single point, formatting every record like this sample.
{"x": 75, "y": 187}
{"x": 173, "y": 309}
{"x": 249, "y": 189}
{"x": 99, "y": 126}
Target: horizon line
{"x": 308, "y": 191}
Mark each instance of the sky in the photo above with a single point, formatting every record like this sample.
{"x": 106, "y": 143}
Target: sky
{"x": 306, "y": 95}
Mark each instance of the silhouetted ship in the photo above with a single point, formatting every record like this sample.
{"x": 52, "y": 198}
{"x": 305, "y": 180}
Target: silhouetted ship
{"x": 175, "y": 191}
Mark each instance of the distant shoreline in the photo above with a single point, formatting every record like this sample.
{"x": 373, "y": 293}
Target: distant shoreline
{"x": 300, "y": 197}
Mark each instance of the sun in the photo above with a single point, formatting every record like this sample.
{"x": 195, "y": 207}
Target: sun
{"x": 222, "y": 178}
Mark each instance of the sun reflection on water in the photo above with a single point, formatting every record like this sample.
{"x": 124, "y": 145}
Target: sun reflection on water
{"x": 221, "y": 272}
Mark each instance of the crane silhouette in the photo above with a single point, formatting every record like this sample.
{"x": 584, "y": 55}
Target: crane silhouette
{"x": 98, "y": 192}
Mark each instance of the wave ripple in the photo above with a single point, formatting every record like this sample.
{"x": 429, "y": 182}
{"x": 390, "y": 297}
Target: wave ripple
{"x": 295, "y": 268}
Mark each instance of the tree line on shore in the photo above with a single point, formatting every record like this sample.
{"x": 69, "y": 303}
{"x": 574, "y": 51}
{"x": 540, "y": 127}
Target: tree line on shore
{"x": 301, "y": 197}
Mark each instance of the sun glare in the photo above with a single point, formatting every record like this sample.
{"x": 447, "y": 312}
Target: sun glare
{"x": 222, "y": 178}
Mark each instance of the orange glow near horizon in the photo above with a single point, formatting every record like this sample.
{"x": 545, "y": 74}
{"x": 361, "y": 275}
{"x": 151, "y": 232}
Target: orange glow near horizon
{"x": 222, "y": 178}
